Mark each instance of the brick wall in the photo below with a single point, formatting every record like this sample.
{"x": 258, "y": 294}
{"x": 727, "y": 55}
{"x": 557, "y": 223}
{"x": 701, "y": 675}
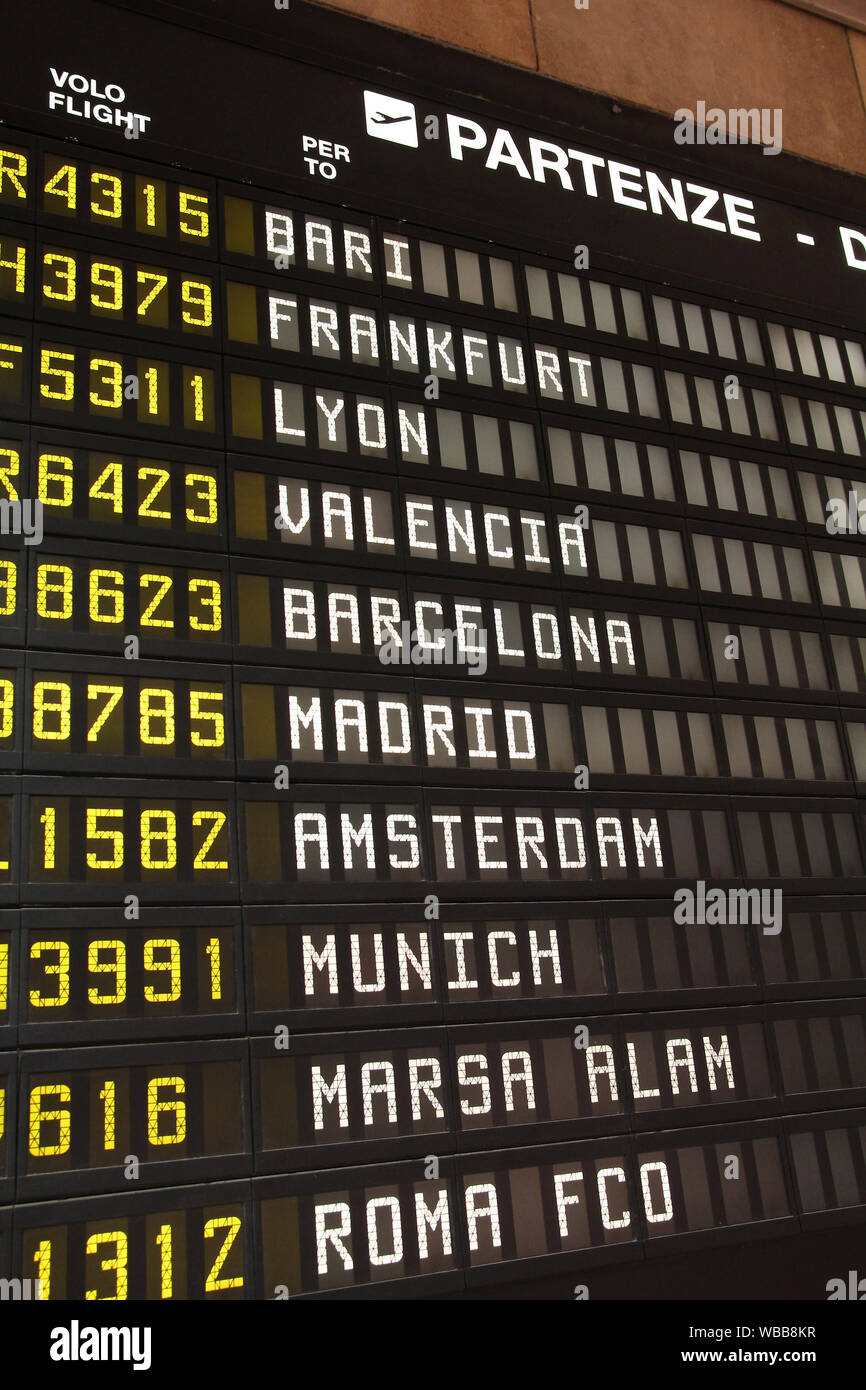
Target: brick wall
{"x": 665, "y": 54}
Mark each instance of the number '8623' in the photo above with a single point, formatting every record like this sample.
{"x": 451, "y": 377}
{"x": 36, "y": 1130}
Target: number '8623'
{"x": 114, "y": 597}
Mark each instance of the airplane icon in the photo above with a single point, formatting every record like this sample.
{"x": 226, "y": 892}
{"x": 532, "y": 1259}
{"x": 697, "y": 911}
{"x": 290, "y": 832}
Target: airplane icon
{"x": 381, "y": 119}
{"x": 391, "y": 118}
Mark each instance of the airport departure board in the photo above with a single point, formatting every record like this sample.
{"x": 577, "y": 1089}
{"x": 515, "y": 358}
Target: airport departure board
{"x": 432, "y": 679}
